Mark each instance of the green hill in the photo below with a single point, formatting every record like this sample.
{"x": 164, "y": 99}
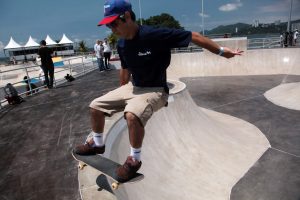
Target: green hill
{"x": 229, "y": 28}
{"x": 247, "y": 29}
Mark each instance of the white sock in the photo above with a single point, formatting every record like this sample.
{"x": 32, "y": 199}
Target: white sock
{"x": 98, "y": 139}
{"x": 136, "y": 153}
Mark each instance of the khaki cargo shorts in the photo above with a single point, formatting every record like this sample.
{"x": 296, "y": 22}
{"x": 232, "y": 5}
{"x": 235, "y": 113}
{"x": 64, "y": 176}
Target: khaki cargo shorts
{"x": 141, "y": 101}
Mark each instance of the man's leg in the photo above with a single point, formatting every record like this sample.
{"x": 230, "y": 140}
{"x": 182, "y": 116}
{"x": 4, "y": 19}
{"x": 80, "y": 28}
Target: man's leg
{"x": 136, "y": 135}
{"x": 45, "y": 70}
{"x": 95, "y": 145}
{"x": 101, "y": 64}
{"x": 51, "y": 76}
{"x": 100, "y": 107}
{"x": 98, "y": 62}
{"x": 137, "y": 112}
{"x": 97, "y": 120}
{"x": 105, "y": 60}
{"x": 106, "y": 56}
{"x": 108, "y": 59}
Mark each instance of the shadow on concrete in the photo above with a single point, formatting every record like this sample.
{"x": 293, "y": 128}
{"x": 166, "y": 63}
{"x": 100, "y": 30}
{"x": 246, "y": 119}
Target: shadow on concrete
{"x": 103, "y": 183}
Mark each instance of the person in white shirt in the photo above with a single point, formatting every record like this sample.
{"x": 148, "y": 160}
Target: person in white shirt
{"x": 296, "y": 34}
{"x": 98, "y": 48}
{"x": 107, "y": 53}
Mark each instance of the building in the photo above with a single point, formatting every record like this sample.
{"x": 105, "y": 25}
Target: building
{"x": 296, "y": 26}
{"x": 30, "y": 50}
{"x": 277, "y": 22}
{"x": 255, "y": 23}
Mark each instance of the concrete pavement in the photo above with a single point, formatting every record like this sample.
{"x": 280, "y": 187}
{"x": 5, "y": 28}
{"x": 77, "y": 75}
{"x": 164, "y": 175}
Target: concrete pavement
{"x": 218, "y": 139}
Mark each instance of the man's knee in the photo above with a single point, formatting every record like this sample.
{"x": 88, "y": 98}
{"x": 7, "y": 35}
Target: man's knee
{"x": 132, "y": 118}
{"x": 95, "y": 112}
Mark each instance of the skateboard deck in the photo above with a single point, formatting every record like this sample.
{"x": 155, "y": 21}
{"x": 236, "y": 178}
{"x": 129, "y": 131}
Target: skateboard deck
{"x": 106, "y": 166}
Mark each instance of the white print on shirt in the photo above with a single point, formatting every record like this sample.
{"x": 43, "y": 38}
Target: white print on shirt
{"x": 145, "y": 53}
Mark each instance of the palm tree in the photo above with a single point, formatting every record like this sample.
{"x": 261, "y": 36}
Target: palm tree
{"x": 112, "y": 39}
{"x": 82, "y": 47}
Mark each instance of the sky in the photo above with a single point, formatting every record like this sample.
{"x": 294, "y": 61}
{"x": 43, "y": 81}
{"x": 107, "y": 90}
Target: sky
{"x": 78, "y": 18}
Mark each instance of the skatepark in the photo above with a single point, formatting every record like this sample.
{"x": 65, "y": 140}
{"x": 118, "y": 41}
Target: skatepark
{"x": 230, "y": 132}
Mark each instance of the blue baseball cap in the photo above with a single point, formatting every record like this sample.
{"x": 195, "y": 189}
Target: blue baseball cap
{"x": 113, "y": 9}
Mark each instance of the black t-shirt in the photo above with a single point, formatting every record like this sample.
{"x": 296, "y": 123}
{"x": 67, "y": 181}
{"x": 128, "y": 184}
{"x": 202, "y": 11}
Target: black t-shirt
{"x": 46, "y": 58}
{"x": 148, "y": 54}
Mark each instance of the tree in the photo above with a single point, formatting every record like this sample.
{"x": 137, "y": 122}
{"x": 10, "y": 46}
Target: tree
{"x": 82, "y": 47}
{"x": 112, "y": 39}
{"x": 163, "y": 20}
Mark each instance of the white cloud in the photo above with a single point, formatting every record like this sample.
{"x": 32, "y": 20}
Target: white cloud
{"x": 77, "y": 40}
{"x": 204, "y": 15}
{"x": 231, "y": 6}
{"x": 281, "y": 6}
{"x": 277, "y": 7}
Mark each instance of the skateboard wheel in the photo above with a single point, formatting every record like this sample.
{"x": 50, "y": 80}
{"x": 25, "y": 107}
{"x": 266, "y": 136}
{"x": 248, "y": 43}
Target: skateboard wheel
{"x": 114, "y": 186}
{"x": 81, "y": 166}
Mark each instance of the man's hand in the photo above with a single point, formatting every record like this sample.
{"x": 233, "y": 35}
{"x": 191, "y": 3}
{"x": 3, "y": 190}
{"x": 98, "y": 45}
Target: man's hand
{"x": 213, "y": 47}
{"x": 228, "y": 53}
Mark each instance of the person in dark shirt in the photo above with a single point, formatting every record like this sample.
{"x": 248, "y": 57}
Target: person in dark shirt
{"x": 47, "y": 65}
{"x": 145, "y": 54}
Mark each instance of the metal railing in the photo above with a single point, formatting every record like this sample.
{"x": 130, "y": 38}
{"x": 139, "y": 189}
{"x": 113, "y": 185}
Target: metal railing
{"x": 264, "y": 43}
{"x": 255, "y": 43}
{"x": 75, "y": 66}
{"x": 80, "y": 65}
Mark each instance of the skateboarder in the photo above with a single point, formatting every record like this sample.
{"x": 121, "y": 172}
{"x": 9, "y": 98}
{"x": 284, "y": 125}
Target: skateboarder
{"x": 145, "y": 55}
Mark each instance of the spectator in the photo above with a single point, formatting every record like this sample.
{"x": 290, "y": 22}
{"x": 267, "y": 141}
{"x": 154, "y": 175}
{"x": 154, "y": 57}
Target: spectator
{"x": 107, "y": 53}
{"x": 47, "y": 64}
{"x": 296, "y": 34}
{"x": 98, "y": 48}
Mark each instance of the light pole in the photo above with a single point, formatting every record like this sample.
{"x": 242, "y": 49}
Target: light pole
{"x": 140, "y": 12}
{"x": 289, "y": 22}
{"x": 202, "y": 18}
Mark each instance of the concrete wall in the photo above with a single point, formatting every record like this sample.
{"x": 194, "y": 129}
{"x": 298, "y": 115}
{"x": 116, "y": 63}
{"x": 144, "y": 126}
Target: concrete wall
{"x": 252, "y": 62}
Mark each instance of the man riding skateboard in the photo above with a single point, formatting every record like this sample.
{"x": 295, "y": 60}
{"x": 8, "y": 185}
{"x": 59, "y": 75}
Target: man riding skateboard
{"x": 145, "y": 54}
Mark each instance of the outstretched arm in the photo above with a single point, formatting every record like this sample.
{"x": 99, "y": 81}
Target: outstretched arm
{"x": 124, "y": 76}
{"x": 213, "y": 47}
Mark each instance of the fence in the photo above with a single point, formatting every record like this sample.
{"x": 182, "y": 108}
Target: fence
{"x": 83, "y": 64}
{"x": 264, "y": 43}
{"x": 76, "y": 66}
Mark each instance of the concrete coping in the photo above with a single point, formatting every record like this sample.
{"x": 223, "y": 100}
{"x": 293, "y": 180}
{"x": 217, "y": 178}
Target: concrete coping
{"x": 176, "y": 86}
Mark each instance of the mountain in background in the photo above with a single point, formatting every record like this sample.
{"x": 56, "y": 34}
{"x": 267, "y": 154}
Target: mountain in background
{"x": 241, "y": 29}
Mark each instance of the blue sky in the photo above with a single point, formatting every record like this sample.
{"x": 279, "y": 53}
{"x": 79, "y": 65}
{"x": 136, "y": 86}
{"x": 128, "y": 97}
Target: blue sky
{"x": 78, "y": 18}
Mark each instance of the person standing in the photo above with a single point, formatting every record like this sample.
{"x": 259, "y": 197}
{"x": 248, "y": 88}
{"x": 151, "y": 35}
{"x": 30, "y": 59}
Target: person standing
{"x": 296, "y": 34}
{"x": 98, "y": 48}
{"x": 47, "y": 65}
{"x": 286, "y": 39}
{"x": 14, "y": 60}
{"x": 107, "y": 53}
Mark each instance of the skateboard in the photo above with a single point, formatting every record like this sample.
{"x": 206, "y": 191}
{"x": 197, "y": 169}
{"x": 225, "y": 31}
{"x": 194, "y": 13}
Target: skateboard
{"x": 106, "y": 166}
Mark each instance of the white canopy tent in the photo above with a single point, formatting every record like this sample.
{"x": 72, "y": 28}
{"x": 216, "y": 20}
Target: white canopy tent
{"x": 31, "y": 43}
{"x": 65, "y": 40}
{"x": 49, "y": 41}
{"x": 12, "y": 45}
{"x": 30, "y": 50}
